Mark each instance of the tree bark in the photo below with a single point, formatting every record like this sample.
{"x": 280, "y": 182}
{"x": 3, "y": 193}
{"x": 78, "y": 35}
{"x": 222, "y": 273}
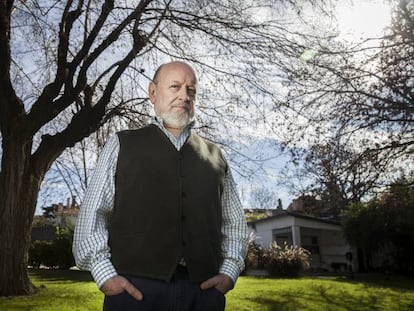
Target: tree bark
{"x": 19, "y": 186}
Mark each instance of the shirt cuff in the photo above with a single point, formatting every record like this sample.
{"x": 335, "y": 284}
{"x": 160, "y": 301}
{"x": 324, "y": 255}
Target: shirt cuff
{"x": 231, "y": 269}
{"x": 102, "y": 272}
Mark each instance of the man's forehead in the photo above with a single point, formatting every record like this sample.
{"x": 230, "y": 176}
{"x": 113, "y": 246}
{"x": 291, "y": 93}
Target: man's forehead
{"x": 178, "y": 73}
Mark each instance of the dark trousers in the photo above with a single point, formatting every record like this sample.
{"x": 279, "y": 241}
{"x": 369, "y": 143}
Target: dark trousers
{"x": 177, "y": 295}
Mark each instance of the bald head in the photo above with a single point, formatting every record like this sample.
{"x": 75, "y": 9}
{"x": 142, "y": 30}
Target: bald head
{"x": 172, "y": 65}
{"x": 173, "y": 92}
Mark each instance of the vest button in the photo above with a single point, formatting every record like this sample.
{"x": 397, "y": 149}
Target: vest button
{"x": 183, "y": 217}
{"x": 183, "y": 195}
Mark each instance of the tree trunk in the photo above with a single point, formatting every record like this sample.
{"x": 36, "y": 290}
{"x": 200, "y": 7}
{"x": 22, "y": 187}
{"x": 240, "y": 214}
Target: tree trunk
{"x": 19, "y": 186}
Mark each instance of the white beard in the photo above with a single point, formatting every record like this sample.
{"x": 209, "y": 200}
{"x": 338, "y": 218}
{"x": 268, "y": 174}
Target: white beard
{"x": 177, "y": 120}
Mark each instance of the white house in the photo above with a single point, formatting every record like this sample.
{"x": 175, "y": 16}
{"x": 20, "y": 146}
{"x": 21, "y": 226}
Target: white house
{"x": 323, "y": 238}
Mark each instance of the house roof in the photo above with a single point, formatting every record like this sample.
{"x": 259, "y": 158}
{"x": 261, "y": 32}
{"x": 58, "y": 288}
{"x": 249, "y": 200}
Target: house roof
{"x": 283, "y": 213}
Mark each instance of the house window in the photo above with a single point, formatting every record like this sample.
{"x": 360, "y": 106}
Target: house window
{"x": 281, "y": 240}
{"x": 282, "y": 236}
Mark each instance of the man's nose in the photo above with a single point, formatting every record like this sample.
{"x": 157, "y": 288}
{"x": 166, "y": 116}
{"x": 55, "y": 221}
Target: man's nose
{"x": 184, "y": 94}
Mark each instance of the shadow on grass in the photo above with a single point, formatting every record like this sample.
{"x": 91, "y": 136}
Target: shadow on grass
{"x": 317, "y": 299}
{"x": 381, "y": 280}
{"x": 364, "y": 293}
{"x": 290, "y": 302}
{"x": 61, "y": 275}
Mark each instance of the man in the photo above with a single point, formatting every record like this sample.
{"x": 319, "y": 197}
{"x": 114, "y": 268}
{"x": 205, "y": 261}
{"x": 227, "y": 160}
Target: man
{"x": 161, "y": 226}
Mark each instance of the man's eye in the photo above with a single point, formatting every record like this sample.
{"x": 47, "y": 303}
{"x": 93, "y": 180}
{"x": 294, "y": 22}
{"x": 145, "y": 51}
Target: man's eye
{"x": 191, "y": 91}
{"x": 175, "y": 87}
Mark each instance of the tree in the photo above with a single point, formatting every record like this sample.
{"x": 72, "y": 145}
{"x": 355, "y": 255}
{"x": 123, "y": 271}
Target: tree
{"x": 354, "y": 108}
{"x": 74, "y": 166}
{"x": 336, "y": 174}
{"x": 389, "y": 233}
{"x": 68, "y": 67}
{"x": 56, "y": 253}
{"x": 262, "y": 198}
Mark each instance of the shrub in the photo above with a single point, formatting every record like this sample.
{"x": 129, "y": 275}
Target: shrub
{"x": 62, "y": 246}
{"x": 53, "y": 254}
{"x": 254, "y": 257}
{"x": 38, "y": 251}
{"x": 287, "y": 262}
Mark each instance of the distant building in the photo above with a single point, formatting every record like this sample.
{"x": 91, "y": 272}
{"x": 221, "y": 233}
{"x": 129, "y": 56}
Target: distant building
{"x": 323, "y": 238}
{"x": 44, "y": 226}
{"x": 68, "y": 213}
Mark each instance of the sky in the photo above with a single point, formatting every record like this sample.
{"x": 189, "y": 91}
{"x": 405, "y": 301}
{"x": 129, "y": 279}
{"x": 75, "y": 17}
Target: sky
{"x": 356, "y": 20}
{"x": 362, "y": 18}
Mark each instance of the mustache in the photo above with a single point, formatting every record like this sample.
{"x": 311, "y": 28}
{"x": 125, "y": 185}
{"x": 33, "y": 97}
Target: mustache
{"x": 182, "y": 105}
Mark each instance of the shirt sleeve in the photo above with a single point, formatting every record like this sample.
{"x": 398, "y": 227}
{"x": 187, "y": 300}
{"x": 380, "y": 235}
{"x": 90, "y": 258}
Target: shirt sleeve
{"x": 234, "y": 231}
{"x": 90, "y": 243}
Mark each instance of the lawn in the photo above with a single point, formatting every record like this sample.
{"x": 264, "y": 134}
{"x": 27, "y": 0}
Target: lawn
{"x": 74, "y": 290}
{"x": 320, "y": 294}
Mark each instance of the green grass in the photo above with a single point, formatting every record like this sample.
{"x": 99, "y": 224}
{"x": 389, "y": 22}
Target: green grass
{"x": 316, "y": 294}
{"x": 74, "y": 290}
{"x": 58, "y": 290}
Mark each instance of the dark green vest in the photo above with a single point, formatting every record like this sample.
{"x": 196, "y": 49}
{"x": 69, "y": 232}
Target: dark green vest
{"x": 167, "y": 206}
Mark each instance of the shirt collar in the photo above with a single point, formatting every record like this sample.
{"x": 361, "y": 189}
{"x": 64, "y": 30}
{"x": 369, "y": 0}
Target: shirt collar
{"x": 157, "y": 120}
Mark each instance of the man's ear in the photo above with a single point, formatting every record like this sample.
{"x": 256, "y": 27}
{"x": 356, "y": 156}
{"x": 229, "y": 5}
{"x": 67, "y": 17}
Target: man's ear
{"x": 152, "y": 92}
